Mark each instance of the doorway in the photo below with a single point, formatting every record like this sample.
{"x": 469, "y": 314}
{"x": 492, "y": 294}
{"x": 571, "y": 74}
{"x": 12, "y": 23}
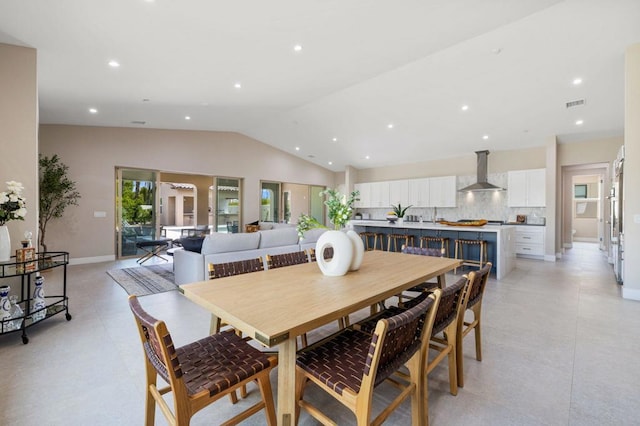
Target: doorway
{"x": 136, "y": 208}
{"x": 596, "y": 210}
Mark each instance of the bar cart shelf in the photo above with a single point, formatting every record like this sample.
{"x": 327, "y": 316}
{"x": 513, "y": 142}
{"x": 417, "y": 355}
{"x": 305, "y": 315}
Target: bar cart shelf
{"x": 26, "y": 271}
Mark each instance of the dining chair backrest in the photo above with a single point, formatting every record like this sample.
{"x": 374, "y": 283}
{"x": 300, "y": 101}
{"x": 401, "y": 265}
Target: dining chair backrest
{"x": 477, "y": 285}
{"x": 287, "y": 259}
{"x": 450, "y": 305}
{"x": 422, "y": 251}
{"x": 328, "y": 253}
{"x": 400, "y": 336}
{"x": 220, "y": 270}
{"x": 158, "y": 347}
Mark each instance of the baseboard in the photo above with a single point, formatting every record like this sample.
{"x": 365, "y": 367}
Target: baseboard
{"x": 630, "y": 293}
{"x": 567, "y": 245}
{"x": 95, "y": 259}
{"x": 550, "y": 257}
{"x": 586, "y": 240}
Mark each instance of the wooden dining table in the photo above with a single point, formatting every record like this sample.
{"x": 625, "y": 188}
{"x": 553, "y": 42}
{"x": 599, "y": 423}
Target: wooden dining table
{"x": 275, "y": 306}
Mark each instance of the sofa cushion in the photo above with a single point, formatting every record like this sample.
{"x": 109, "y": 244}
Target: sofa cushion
{"x": 312, "y": 235}
{"x": 221, "y": 243}
{"x": 278, "y": 237}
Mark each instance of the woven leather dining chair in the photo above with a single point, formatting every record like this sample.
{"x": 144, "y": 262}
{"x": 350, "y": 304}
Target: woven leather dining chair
{"x": 472, "y": 302}
{"x": 199, "y": 373}
{"x": 350, "y": 364}
{"x": 443, "y": 336}
{"x": 221, "y": 270}
{"x": 287, "y": 259}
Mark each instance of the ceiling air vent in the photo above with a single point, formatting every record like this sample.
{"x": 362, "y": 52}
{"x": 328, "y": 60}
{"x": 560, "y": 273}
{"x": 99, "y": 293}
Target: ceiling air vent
{"x": 575, "y": 103}
{"x": 138, "y": 122}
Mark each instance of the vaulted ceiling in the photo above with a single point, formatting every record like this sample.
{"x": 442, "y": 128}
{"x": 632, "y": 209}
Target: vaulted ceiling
{"x": 371, "y": 83}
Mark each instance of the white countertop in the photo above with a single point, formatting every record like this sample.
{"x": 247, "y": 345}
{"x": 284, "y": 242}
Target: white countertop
{"x": 429, "y": 225}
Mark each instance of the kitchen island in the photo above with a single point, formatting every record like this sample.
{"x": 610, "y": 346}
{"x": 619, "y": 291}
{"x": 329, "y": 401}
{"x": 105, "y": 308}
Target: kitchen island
{"x": 500, "y": 238}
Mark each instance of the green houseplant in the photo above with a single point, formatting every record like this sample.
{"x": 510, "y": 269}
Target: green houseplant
{"x": 57, "y": 192}
{"x": 340, "y": 209}
{"x": 399, "y": 210}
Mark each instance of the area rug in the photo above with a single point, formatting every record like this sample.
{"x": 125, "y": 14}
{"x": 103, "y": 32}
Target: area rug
{"x": 145, "y": 280}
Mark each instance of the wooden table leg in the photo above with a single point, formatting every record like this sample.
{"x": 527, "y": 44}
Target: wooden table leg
{"x": 215, "y": 324}
{"x": 442, "y": 281}
{"x": 287, "y": 382}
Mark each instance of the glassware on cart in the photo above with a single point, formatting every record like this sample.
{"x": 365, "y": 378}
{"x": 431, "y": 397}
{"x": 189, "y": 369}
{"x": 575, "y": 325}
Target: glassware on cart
{"x": 5, "y": 308}
{"x": 16, "y": 312}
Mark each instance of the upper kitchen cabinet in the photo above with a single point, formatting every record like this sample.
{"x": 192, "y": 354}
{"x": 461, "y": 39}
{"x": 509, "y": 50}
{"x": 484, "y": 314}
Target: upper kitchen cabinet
{"x": 399, "y": 192}
{"x": 379, "y": 194}
{"x": 442, "y": 191}
{"x": 365, "y": 194}
{"x": 526, "y": 188}
{"x": 419, "y": 192}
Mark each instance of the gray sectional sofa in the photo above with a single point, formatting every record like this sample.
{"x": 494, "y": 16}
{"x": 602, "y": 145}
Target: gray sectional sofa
{"x": 189, "y": 266}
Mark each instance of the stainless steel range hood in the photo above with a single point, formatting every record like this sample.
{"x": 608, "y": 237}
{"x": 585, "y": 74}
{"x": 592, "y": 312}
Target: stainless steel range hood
{"x": 481, "y": 182}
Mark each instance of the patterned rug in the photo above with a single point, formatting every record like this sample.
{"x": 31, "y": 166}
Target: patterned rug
{"x": 145, "y": 280}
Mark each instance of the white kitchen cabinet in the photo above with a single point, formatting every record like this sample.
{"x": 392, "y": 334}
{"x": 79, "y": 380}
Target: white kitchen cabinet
{"x": 365, "y": 194}
{"x": 526, "y": 188}
{"x": 530, "y": 241}
{"x": 419, "y": 192}
{"x": 399, "y": 192}
{"x": 379, "y": 194}
{"x": 442, "y": 191}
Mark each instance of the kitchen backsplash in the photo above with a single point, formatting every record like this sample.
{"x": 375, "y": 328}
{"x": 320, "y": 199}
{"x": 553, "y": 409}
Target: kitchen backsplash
{"x": 491, "y": 205}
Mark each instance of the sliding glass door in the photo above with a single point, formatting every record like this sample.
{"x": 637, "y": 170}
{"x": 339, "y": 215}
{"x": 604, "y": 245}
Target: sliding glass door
{"x": 136, "y": 208}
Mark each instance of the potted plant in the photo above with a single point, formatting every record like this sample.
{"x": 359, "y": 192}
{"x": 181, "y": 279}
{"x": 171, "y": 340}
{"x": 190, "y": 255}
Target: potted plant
{"x": 57, "y": 192}
{"x": 399, "y": 211}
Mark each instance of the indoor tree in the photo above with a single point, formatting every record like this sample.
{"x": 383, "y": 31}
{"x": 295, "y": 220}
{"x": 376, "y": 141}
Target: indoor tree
{"x": 57, "y": 192}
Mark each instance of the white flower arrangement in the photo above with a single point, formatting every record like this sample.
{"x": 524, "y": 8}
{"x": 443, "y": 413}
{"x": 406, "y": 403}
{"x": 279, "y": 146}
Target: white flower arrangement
{"x": 12, "y": 203}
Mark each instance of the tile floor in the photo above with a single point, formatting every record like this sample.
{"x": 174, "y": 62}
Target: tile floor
{"x": 560, "y": 347}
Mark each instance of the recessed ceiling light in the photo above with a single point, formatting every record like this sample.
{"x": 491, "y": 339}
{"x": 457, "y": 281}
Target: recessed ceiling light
{"x": 297, "y": 148}
{"x": 186, "y": 117}
{"x": 93, "y": 110}
{"x": 464, "y": 107}
{"x": 366, "y": 157}
{"x": 330, "y": 163}
{"x": 335, "y": 139}
{"x": 577, "y": 81}
{"x": 237, "y": 86}
{"x": 579, "y": 122}
{"x": 390, "y": 126}
{"x": 114, "y": 64}
{"x": 297, "y": 48}
{"x": 485, "y": 137}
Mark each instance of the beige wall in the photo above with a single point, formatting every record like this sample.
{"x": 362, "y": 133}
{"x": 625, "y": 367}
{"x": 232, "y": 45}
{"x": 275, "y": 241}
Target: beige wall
{"x": 92, "y": 153}
{"x": 595, "y": 151}
{"x": 19, "y": 132}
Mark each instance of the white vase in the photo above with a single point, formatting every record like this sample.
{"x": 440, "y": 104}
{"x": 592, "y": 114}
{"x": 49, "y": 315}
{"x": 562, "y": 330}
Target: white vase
{"x": 38, "y": 302}
{"x": 358, "y": 250}
{"x": 5, "y": 244}
{"x": 342, "y": 253}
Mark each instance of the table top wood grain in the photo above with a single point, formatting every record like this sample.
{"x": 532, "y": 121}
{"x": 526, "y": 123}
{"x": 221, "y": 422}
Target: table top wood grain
{"x": 275, "y": 305}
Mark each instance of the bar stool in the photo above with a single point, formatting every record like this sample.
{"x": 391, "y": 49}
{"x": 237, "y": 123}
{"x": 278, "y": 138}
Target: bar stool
{"x": 404, "y": 239}
{"x": 375, "y": 235}
{"x": 459, "y": 252}
{"x": 442, "y": 242}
